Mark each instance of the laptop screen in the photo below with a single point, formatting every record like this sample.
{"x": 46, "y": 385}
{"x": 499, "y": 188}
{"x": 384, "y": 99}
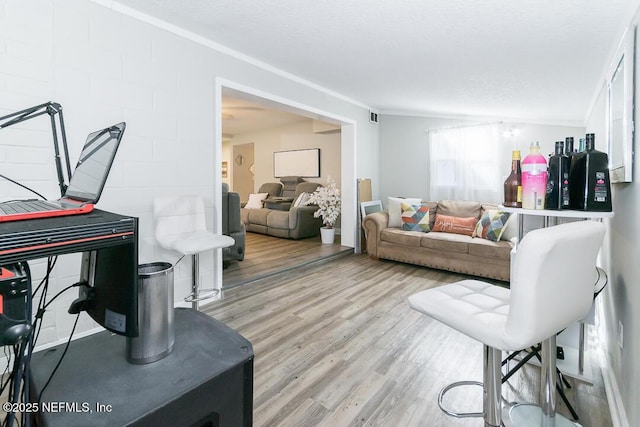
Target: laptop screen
{"x": 94, "y": 164}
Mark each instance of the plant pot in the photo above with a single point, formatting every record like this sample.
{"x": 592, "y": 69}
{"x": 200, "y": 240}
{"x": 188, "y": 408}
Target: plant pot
{"x": 328, "y": 235}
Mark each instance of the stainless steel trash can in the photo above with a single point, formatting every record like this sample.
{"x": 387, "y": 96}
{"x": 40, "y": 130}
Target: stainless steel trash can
{"x": 156, "y": 334}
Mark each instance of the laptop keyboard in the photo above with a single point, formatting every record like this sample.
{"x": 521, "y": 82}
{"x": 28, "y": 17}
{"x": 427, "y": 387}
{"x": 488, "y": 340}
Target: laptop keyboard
{"x": 26, "y": 206}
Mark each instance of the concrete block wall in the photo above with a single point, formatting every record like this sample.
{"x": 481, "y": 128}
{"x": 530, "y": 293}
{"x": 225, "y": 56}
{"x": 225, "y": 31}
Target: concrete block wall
{"x": 104, "y": 67}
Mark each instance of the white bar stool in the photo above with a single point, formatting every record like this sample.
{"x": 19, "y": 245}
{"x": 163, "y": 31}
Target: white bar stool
{"x": 181, "y": 227}
{"x": 551, "y": 288}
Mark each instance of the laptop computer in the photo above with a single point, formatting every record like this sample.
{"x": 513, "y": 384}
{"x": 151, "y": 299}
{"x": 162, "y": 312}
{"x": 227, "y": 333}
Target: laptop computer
{"x": 85, "y": 186}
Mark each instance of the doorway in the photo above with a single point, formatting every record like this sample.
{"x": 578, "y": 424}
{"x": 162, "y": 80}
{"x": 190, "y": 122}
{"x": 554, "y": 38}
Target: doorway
{"x": 243, "y": 164}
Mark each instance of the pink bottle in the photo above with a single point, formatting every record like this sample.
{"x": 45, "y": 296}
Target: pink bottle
{"x": 534, "y": 178}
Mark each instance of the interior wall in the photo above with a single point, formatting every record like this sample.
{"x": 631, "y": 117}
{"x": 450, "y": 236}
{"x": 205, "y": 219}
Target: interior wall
{"x": 620, "y": 300}
{"x": 105, "y": 63}
{"x": 295, "y": 136}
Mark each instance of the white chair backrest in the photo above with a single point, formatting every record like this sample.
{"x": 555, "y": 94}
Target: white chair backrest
{"x": 553, "y": 280}
{"x": 177, "y": 215}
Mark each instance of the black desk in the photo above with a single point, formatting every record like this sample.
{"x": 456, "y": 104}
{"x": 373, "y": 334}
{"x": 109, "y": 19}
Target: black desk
{"x": 43, "y": 237}
{"x": 206, "y": 380}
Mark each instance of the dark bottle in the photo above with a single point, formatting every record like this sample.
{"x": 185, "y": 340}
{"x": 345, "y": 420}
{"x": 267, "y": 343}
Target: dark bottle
{"x": 513, "y": 183}
{"x": 557, "y": 196}
{"x": 589, "y": 185}
{"x": 568, "y": 146}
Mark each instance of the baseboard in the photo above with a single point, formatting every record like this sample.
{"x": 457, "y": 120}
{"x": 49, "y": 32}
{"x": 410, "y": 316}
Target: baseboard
{"x": 614, "y": 398}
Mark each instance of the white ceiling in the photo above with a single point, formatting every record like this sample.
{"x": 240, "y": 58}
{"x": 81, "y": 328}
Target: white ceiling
{"x": 241, "y": 116}
{"x": 534, "y": 60}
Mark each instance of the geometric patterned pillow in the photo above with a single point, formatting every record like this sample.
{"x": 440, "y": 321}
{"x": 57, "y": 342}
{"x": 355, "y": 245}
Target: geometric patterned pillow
{"x": 415, "y": 217}
{"x": 491, "y": 225}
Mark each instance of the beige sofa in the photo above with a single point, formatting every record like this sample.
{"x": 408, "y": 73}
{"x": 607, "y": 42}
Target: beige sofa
{"x": 453, "y": 252}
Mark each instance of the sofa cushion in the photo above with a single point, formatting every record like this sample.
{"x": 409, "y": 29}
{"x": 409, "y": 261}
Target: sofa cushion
{"x": 258, "y": 216}
{"x": 452, "y": 224}
{"x": 399, "y": 237}
{"x": 459, "y": 208}
{"x": 491, "y": 250}
{"x": 395, "y": 211}
{"x": 415, "y": 217}
{"x": 491, "y": 225}
{"x": 446, "y": 242}
{"x": 278, "y": 219}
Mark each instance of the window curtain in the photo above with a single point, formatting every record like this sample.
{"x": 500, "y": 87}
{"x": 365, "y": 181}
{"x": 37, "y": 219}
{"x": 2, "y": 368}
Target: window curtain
{"x": 465, "y": 163}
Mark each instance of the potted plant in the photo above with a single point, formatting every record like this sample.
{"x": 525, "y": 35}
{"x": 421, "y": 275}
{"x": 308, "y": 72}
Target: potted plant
{"x": 328, "y": 200}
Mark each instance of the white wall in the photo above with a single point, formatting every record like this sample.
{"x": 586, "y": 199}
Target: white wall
{"x": 620, "y": 301}
{"x": 104, "y": 66}
{"x": 295, "y": 136}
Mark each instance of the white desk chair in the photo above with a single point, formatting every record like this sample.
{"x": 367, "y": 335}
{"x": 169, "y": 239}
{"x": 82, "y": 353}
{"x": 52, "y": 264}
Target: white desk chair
{"x": 551, "y": 288}
{"x": 181, "y": 227}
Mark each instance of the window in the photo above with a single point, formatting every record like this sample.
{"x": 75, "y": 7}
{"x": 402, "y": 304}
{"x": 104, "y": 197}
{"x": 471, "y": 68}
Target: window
{"x": 465, "y": 163}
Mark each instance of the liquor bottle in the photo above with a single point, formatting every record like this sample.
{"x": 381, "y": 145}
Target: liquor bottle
{"x": 558, "y": 180}
{"x": 581, "y": 149}
{"x": 513, "y": 183}
{"x": 534, "y": 178}
{"x": 589, "y": 185}
{"x": 568, "y": 146}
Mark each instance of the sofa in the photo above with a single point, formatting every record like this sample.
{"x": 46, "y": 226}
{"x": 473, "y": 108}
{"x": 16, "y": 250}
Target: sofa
{"x": 290, "y": 219}
{"x": 232, "y": 225}
{"x": 476, "y": 256}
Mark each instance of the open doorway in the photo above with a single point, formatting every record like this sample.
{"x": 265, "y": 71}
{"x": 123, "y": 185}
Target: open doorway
{"x": 261, "y": 126}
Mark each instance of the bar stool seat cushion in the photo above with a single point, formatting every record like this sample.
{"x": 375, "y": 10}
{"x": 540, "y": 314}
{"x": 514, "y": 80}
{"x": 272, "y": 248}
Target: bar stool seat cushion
{"x": 195, "y": 242}
{"x": 474, "y": 308}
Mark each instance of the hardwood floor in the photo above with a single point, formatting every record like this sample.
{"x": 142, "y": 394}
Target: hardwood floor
{"x": 337, "y": 345}
{"x": 266, "y": 255}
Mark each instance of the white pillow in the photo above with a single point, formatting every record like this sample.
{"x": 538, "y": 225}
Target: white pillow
{"x": 395, "y": 211}
{"x": 301, "y": 199}
{"x": 255, "y": 200}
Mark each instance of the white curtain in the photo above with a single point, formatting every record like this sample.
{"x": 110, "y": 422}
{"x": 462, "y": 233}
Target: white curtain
{"x": 465, "y": 163}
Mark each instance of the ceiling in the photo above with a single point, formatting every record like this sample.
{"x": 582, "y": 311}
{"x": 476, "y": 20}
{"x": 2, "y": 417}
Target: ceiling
{"x": 534, "y": 60}
{"x": 240, "y": 116}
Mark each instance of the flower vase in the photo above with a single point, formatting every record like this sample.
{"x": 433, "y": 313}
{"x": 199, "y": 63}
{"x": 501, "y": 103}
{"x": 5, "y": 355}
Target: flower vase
{"x": 328, "y": 235}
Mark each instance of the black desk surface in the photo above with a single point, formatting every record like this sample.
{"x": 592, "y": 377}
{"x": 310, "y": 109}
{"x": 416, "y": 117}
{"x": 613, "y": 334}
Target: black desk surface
{"x": 39, "y": 238}
{"x": 210, "y": 369}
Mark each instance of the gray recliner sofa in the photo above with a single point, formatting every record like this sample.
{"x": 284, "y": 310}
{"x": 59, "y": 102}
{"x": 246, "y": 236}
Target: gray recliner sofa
{"x": 232, "y": 225}
{"x": 297, "y": 222}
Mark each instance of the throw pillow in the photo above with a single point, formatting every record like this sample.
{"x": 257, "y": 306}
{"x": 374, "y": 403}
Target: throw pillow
{"x": 491, "y": 225}
{"x": 415, "y": 217}
{"x": 393, "y": 206}
{"x": 301, "y": 200}
{"x": 256, "y": 200}
{"x": 452, "y": 224}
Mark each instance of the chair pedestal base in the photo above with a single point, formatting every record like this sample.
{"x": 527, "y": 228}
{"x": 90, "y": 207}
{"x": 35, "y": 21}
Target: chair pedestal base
{"x": 459, "y": 414}
{"x": 198, "y": 294}
{"x": 528, "y": 415}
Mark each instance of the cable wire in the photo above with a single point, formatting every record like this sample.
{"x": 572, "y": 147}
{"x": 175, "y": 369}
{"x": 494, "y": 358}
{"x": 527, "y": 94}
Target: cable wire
{"x": 23, "y": 186}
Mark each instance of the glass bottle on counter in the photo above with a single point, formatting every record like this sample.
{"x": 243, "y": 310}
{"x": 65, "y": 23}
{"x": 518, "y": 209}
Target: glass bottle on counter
{"x": 558, "y": 179}
{"x": 590, "y": 188}
{"x": 513, "y": 183}
{"x": 534, "y": 178}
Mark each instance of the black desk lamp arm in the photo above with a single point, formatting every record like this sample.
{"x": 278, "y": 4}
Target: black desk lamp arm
{"x": 53, "y": 109}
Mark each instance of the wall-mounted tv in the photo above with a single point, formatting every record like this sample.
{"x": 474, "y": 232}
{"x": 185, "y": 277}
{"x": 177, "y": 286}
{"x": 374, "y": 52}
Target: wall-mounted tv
{"x": 304, "y": 163}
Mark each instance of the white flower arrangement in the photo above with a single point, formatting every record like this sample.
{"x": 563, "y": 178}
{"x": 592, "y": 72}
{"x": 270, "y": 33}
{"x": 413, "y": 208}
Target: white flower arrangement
{"x": 329, "y": 203}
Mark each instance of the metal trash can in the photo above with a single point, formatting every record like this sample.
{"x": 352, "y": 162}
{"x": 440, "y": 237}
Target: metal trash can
{"x": 156, "y": 333}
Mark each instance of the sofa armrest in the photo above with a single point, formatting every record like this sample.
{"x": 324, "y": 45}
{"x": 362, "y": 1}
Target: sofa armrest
{"x": 373, "y": 225}
{"x": 302, "y": 223}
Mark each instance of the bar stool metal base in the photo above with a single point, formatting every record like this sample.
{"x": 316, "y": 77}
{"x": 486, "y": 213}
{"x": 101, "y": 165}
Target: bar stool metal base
{"x": 529, "y": 415}
{"x": 459, "y": 414}
{"x": 198, "y": 294}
